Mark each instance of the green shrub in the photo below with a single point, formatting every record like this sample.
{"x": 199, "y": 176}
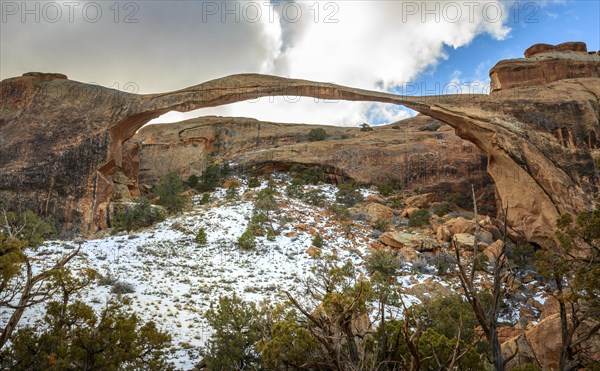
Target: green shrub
{"x": 340, "y": 211}
{"x": 318, "y": 241}
{"x": 390, "y": 186}
{"x": 381, "y": 225}
{"x": 442, "y": 262}
{"x": 348, "y": 194}
{"x": 462, "y": 201}
{"x": 201, "y": 237}
{"x": 271, "y": 235}
{"x": 481, "y": 261}
{"x": 522, "y": 255}
{"x": 295, "y": 191}
{"x": 442, "y": 209}
{"x": 247, "y": 241}
{"x": 232, "y": 192}
{"x": 365, "y": 127}
{"x": 73, "y": 336}
{"x": 192, "y": 181}
{"x": 211, "y": 178}
{"x": 419, "y": 218}
{"x": 384, "y": 263}
{"x": 315, "y": 197}
{"x": 27, "y": 227}
{"x": 205, "y": 199}
{"x": 384, "y": 189}
{"x": 254, "y": 182}
{"x": 233, "y": 345}
{"x": 397, "y": 203}
{"x": 141, "y": 215}
{"x": 266, "y": 201}
{"x": 431, "y": 127}
{"x": 257, "y": 222}
{"x": 317, "y": 135}
{"x": 169, "y": 192}
{"x": 306, "y": 175}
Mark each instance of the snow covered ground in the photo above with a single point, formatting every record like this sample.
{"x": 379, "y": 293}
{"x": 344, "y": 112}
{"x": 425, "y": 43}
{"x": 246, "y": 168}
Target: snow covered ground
{"x": 176, "y": 280}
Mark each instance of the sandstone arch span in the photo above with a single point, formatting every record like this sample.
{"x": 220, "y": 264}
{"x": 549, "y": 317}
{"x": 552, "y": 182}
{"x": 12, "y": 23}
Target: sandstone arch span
{"x": 61, "y": 140}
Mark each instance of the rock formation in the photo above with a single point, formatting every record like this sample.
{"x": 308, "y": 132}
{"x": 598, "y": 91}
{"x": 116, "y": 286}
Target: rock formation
{"x": 409, "y": 151}
{"x": 62, "y": 141}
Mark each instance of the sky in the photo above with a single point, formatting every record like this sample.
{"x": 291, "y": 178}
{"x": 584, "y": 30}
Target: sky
{"x": 405, "y": 47}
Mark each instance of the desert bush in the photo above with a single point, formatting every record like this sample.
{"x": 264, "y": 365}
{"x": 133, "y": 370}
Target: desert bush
{"x": 341, "y": 211}
{"x": 192, "y": 181}
{"x": 295, "y": 191}
{"x": 201, "y": 237}
{"x": 315, "y": 197}
{"x": 205, "y": 199}
{"x": 462, "y": 201}
{"x": 312, "y": 175}
{"x": 247, "y": 240}
{"x": 211, "y": 177}
{"x": 27, "y": 226}
{"x": 419, "y": 218}
{"x": 365, "y": 127}
{"x": 389, "y": 187}
{"x": 254, "y": 182}
{"x": 74, "y": 337}
{"x": 141, "y": 215}
{"x": 381, "y": 225}
{"x": 442, "y": 209}
{"x": 169, "y": 192}
{"x": 271, "y": 236}
{"x": 522, "y": 255}
{"x": 348, "y": 194}
{"x": 232, "y": 192}
{"x": 237, "y": 331}
{"x": 317, "y": 135}
{"x": 121, "y": 287}
{"x": 317, "y": 241}
{"x": 384, "y": 189}
{"x": 442, "y": 262}
{"x": 420, "y": 267}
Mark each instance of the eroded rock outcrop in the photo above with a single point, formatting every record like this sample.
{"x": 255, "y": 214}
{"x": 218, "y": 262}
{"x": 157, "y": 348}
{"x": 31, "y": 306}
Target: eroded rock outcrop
{"x": 405, "y": 151}
{"x": 61, "y": 141}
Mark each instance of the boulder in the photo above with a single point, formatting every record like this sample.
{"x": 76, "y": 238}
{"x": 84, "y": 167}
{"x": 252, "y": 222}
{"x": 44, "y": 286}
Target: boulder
{"x": 121, "y": 193}
{"x": 399, "y": 240}
{"x": 407, "y": 211}
{"x": 464, "y": 240}
{"x": 507, "y": 332}
{"x": 420, "y": 201}
{"x": 494, "y": 250}
{"x": 550, "y": 307}
{"x": 541, "y": 344}
{"x": 372, "y": 212}
{"x": 376, "y": 199}
{"x": 120, "y": 178}
{"x": 460, "y": 225}
{"x": 443, "y": 234}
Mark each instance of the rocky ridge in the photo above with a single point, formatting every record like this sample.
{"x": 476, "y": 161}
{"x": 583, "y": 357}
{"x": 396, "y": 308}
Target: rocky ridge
{"x": 62, "y": 141}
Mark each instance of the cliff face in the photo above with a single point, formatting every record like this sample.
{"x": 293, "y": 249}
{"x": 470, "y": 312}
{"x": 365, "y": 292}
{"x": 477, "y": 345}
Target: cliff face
{"x": 419, "y": 152}
{"x": 61, "y": 142}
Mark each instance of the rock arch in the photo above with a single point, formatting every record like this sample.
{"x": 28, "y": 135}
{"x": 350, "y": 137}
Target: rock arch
{"x": 61, "y": 140}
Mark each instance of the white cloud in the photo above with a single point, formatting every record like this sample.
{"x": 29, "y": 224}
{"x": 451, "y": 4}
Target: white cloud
{"x": 367, "y": 44}
{"x": 373, "y": 45}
